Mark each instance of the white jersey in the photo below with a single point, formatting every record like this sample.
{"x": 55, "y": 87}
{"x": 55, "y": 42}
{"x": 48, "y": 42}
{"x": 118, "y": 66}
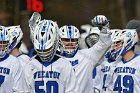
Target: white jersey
{"x": 24, "y": 59}
{"x": 84, "y": 61}
{"x": 97, "y": 80}
{"x": 56, "y": 77}
{"x": 11, "y": 75}
{"x": 106, "y": 72}
{"x": 126, "y": 77}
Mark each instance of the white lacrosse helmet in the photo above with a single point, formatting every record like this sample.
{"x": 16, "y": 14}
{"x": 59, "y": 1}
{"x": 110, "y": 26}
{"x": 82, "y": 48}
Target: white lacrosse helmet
{"x": 123, "y": 41}
{"x": 4, "y": 41}
{"x": 16, "y": 35}
{"x": 92, "y": 37}
{"x": 69, "y": 40}
{"x": 46, "y": 39}
{"x": 114, "y": 32}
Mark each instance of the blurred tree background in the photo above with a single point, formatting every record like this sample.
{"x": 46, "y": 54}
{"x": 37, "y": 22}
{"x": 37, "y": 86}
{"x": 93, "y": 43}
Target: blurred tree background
{"x": 75, "y": 12}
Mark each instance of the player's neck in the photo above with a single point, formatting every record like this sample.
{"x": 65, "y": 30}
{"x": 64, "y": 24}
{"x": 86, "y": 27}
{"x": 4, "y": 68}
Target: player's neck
{"x": 15, "y": 52}
{"x": 128, "y": 55}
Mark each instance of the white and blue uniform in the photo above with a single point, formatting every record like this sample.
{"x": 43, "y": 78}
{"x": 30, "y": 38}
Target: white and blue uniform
{"x": 126, "y": 77}
{"x": 84, "y": 61}
{"x": 106, "y": 73}
{"x": 97, "y": 79}
{"x": 24, "y": 59}
{"x": 55, "y": 77}
{"x": 11, "y": 75}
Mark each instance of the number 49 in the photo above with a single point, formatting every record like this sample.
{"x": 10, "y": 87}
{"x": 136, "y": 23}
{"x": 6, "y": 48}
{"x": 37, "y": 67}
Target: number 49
{"x": 128, "y": 84}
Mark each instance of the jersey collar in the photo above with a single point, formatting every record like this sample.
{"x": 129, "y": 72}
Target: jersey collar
{"x": 5, "y": 57}
{"x": 130, "y": 59}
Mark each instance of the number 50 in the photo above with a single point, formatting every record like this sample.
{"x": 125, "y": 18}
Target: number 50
{"x": 49, "y": 86}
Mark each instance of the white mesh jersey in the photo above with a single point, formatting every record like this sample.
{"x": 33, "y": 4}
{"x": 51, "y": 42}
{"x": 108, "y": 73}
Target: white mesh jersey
{"x": 84, "y": 61}
{"x": 126, "y": 77}
{"x": 11, "y": 76}
{"x": 24, "y": 59}
{"x": 56, "y": 77}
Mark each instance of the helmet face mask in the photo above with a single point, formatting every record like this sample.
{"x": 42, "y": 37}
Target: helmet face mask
{"x": 116, "y": 49}
{"x": 69, "y": 44}
{"x": 69, "y": 40}
{"x": 4, "y": 41}
{"x": 116, "y": 46}
{"x": 3, "y": 48}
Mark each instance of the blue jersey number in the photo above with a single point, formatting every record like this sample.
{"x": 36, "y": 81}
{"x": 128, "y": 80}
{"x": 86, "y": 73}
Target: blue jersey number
{"x": 128, "y": 83}
{"x": 49, "y": 86}
{"x": 1, "y": 79}
{"x": 104, "y": 79}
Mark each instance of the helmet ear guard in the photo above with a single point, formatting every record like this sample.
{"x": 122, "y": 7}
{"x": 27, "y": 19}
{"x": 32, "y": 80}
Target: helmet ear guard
{"x": 68, "y": 40}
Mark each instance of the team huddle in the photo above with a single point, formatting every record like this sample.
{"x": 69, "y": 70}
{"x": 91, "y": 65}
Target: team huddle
{"x": 60, "y": 66}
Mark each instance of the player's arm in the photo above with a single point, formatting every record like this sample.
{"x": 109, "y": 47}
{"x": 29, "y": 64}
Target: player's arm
{"x": 29, "y": 77}
{"x": 71, "y": 84}
{"x": 20, "y": 85}
{"x": 97, "y": 51}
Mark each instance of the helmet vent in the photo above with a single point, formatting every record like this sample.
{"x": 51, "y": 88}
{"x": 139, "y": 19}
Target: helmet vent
{"x": 128, "y": 41}
{"x": 37, "y": 22}
{"x": 6, "y": 33}
{"x": 52, "y": 24}
{"x": 123, "y": 32}
{"x": 0, "y": 29}
{"x": 51, "y": 30}
{"x": 117, "y": 34}
{"x": 69, "y": 27}
{"x": 62, "y": 30}
{"x": 42, "y": 33}
{"x": 36, "y": 36}
{"x": 49, "y": 37}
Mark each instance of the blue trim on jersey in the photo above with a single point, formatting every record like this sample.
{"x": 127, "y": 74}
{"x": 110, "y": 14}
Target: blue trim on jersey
{"x": 5, "y": 57}
{"x": 31, "y": 52}
{"x": 94, "y": 73}
{"x": 130, "y": 59}
{"x": 19, "y": 55}
{"x": 49, "y": 63}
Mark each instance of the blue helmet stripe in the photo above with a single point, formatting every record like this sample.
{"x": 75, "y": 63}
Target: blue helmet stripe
{"x": 72, "y": 32}
{"x": 67, "y": 32}
{"x": 0, "y": 36}
{"x": 96, "y": 20}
